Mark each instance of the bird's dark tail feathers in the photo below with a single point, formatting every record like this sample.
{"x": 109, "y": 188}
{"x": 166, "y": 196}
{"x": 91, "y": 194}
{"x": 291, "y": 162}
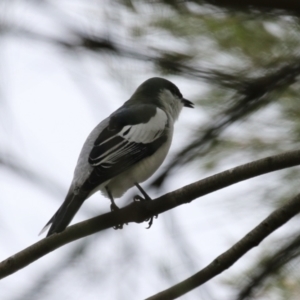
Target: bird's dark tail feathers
{"x": 65, "y": 213}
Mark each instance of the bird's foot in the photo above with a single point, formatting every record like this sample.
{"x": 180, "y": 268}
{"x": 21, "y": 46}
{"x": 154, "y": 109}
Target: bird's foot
{"x": 119, "y": 226}
{"x": 138, "y": 198}
{"x": 114, "y": 207}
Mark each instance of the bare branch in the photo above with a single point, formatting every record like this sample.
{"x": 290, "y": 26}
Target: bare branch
{"x": 270, "y": 267}
{"x": 140, "y": 211}
{"x": 228, "y": 258}
{"x": 269, "y": 6}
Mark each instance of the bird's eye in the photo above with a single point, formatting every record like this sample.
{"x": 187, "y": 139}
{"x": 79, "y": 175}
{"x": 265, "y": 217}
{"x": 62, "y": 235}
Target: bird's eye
{"x": 176, "y": 92}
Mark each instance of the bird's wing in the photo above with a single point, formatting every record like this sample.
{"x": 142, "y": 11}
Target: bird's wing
{"x": 132, "y": 134}
{"x": 116, "y": 144}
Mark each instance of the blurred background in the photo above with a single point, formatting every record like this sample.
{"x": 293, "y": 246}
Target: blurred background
{"x": 66, "y": 65}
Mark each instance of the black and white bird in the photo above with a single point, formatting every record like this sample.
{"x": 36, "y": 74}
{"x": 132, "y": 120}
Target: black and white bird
{"x": 125, "y": 149}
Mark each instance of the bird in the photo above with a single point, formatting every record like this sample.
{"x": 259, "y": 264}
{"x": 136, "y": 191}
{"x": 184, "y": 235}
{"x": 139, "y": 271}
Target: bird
{"x": 124, "y": 149}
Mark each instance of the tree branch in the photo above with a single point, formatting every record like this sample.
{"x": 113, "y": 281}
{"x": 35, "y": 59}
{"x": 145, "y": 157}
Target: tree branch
{"x": 270, "y": 266}
{"x": 228, "y": 258}
{"x": 140, "y": 211}
{"x": 289, "y": 6}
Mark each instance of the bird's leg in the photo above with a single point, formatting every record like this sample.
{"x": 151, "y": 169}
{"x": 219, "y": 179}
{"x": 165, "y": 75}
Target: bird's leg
{"x": 113, "y": 206}
{"x": 146, "y": 198}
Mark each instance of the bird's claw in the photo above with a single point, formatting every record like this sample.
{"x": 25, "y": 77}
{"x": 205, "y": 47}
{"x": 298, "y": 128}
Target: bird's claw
{"x": 138, "y": 198}
{"x": 119, "y": 226}
{"x": 114, "y": 207}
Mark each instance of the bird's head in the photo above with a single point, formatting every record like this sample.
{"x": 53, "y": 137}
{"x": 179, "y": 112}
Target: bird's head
{"x": 164, "y": 94}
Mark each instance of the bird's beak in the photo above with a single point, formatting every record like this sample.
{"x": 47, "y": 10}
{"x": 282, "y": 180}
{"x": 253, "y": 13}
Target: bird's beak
{"x": 187, "y": 103}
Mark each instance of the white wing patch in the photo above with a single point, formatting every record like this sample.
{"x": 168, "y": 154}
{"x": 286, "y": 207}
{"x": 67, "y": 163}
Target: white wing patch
{"x": 111, "y": 156}
{"x": 146, "y": 132}
{"x": 132, "y": 135}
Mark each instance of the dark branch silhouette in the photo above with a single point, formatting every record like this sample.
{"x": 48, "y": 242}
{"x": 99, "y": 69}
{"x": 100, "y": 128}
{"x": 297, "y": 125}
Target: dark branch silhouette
{"x": 140, "y": 211}
{"x": 276, "y": 219}
{"x": 270, "y": 266}
{"x": 267, "y": 6}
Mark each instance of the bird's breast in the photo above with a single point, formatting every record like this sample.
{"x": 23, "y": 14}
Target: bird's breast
{"x": 139, "y": 172}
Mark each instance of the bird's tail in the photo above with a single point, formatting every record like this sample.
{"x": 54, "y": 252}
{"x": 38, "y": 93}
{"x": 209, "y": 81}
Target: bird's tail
{"x": 65, "y": 213}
